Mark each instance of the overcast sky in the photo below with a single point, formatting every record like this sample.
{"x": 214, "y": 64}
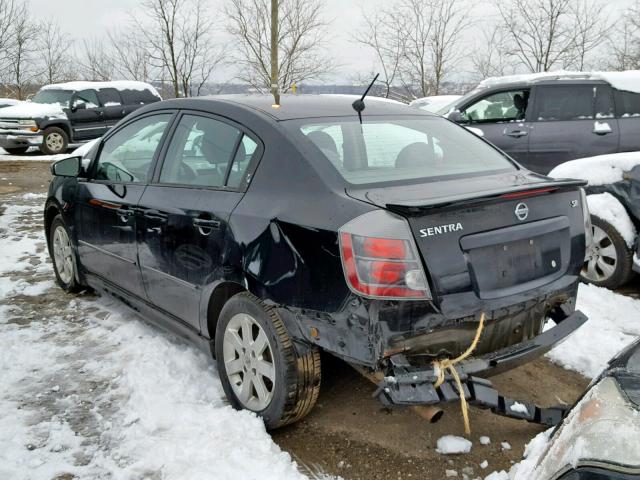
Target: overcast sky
{"x": 85, "y": 19}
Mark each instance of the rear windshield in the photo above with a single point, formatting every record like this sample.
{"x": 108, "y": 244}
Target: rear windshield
{"x": 385, "y": 149}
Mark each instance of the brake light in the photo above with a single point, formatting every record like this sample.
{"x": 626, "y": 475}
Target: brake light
{"x": 528, "y": 193}
{"x": 377, "y": 266}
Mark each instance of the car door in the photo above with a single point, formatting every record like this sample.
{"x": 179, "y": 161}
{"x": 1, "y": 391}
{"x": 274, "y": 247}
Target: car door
{"x": 108, "y": 198}
{"x": 86, "y": 115}
{"x": 184, "y": 212}
{"x": 111, "y": 106}
{"x": 503, "y": 118}
{"x": 571, "y": 121}
{"x": 628, "y": 114}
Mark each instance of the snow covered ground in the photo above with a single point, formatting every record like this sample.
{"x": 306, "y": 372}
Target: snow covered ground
{"x": 89, "y": 389}
{"x": 33, "y": 154}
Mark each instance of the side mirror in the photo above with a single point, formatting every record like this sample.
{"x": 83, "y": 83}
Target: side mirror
{"x": 455, "y": 116}
{"x": 67, "y": 167}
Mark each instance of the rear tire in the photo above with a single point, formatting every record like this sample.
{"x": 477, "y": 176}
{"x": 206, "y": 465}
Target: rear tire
{"x": 264, "y": 372}
{"x": 54, "y": 141}
{"x": 609, "y": 261}
{"x": 63, "y": 256}
{"x": 16, "y": 150}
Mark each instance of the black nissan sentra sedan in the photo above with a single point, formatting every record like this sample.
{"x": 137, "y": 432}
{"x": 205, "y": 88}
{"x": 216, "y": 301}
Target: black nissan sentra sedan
{"x": 269, "y": 233}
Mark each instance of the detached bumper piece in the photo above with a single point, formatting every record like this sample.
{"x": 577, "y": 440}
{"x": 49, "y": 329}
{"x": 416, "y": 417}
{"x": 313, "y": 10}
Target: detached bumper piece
{"x": 410, "y": 385}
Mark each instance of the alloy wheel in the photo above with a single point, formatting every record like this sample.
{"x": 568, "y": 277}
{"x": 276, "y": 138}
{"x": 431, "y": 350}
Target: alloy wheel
{"x": 602, "y": 258}
{"x": 248, "y": 360}
{"x": 54, "y": 142}
{"x": 62, "y": 254}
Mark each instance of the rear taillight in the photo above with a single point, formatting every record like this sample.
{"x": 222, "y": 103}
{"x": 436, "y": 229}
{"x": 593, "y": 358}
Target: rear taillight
{"x": 380, "y": 258}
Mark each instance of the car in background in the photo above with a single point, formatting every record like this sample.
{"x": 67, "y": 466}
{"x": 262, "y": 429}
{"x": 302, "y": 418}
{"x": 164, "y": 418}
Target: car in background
{"x": 73, "y": 112}
{"x": 543, "y": 120}
{"x": 8, "y": 102}
{"x": 434, "y": 103}
{"x": 613, "y": 195}
{"x": 268, "y": 233}
{"x": 598, "y": 439}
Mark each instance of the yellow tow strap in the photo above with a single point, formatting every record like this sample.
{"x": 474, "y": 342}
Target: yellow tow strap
{"x": 447, "y": 364}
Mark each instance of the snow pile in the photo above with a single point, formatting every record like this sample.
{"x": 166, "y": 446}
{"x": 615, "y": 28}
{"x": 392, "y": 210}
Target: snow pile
{"x": 613, "y": 324}
{"x": 600, "y": 170}
{"x": 628, "y": 80}
{"x": 33, "y": 110}
{"x": 117, "y": 84}
{"x": 484, "y": 440}
{"x": 519, "y": 408}
{"x": 450, "y": 444}
{"x": 608, "y": 208}
{"x": 90, "y": 391}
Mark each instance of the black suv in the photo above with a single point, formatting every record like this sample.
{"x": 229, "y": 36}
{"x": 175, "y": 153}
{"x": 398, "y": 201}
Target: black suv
{"x": 266, "y": 233}
{"x": 545, "y": 120}
{"x": 71, "y": 112}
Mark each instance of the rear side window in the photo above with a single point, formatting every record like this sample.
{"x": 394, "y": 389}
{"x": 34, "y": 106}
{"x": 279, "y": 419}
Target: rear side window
{"x": 110, "y": 97}
{"x": 245, "y": 154}
{"x": 628, "y": 104}
{"x": 137, "y": 97}
{"x": 388, "y": 150}
{"x": 562, "y": 103}
{"x": 200, "y": 152}
{"x": 128, "y": 154}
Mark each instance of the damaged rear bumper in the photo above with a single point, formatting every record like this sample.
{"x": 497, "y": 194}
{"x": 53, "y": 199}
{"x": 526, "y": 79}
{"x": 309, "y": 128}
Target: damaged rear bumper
{"x": 406, "y": 384}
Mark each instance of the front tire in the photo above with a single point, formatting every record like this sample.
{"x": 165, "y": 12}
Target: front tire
{"x": 16, "y": 150}
{"x": 63, "y": 256}
{"x": 54, "y": 141}
{"x": 260, "y": 368}
{"x": 609, "y": 260}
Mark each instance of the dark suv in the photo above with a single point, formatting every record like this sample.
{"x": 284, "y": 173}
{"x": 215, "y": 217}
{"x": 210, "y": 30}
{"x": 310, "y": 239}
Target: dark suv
{"x": 545, "y": 120}
{"x": 71, "y": 112}
{"x": 266, "y": 233}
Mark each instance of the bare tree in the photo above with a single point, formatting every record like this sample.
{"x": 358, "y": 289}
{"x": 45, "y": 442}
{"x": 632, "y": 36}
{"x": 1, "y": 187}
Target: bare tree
{"x": 388, "y": 43}
{"x": 179, "y": 39}
{"x": 624, "y": 43}
{"x": 96, "y": 61}
{"x": 22, "y": 65}
{"x": 132, "y": 58}
{"x": 416, "y": 43}
{"x": 301, "y": 34}
{"x": 589, "y": 28}
{"x": 54, "y": 51}
{"x": 8, "y": 10}
{"x": 491, "y": 60}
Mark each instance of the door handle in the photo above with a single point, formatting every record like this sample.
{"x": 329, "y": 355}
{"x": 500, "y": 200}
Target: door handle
{"x": 124, "y": 213}
{"x": 601, "y": 128}
{"x": 205, "y": 225}
{"x": 516, "y": 133}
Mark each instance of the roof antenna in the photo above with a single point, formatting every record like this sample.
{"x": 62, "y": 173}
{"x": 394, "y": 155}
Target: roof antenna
{"x": 358, "y": 105}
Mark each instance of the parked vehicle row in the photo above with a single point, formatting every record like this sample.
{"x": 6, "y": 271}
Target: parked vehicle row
{"x": 268, "y": 234}
{"x": 73, "y": 112}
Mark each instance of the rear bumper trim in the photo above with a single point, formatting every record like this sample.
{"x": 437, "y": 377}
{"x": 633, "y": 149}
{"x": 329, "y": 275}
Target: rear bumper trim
{"x": 408, "y": 385}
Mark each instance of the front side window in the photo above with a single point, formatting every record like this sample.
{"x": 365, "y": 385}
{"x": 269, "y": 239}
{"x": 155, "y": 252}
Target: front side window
{"x": 390, "y": 149}
{"x": 200, "y": 152}
{"x": 128, "y": 154}
{"x": 508, "y": 106}
{"x": 88, "y": 98}
{"x": 565, "y": 103}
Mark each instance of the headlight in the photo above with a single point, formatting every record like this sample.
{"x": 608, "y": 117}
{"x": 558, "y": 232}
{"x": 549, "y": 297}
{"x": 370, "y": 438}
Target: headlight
{"x": 27, "y": 123}
{"x": 602, "y": 430}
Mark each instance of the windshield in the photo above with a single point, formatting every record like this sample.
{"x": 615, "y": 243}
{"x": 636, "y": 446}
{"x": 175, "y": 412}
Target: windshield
{"x": 388, "y": 149}
{"x": 459, "y": 101}
{"x": 61, "y": 97}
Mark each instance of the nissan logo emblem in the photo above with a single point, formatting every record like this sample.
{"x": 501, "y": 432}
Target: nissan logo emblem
{"x": 522, "y": 211}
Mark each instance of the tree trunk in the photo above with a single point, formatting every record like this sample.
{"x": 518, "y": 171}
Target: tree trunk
{"x": 274, "y": 52}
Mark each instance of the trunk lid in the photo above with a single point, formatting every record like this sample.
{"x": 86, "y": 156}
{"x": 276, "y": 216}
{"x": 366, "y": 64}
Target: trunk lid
{"x": 495, "y": 235}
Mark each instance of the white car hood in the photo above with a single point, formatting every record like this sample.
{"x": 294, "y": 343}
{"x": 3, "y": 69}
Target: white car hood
{"x": 33, "y": 110}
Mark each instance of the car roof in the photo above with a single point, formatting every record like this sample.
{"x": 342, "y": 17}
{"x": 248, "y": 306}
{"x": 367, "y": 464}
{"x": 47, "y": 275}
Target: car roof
{"x": 297, "y": 106}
